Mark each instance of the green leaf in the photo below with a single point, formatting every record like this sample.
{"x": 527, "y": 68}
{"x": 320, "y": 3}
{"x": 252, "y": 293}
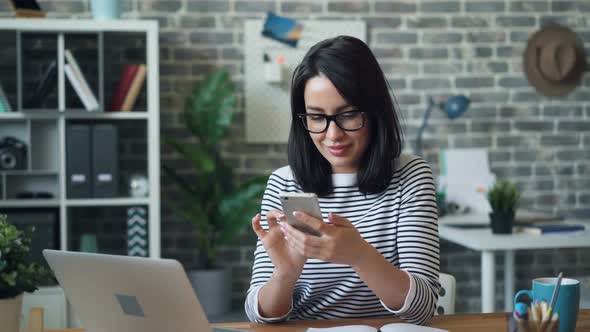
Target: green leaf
{"x": 238, "y": 208}
{"x": 504, "y": 197}
{"x": 200, "y": 158}
{"x": 16, "y": 275}
{"x": 218, "y": 208}
{"x": 209, "y": 111}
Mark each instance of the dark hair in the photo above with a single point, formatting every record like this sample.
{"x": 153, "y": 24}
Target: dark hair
{"x": 351, "y": 66}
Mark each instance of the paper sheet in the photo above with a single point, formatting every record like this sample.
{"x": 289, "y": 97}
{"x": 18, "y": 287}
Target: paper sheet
{"x": 467, "y": 178}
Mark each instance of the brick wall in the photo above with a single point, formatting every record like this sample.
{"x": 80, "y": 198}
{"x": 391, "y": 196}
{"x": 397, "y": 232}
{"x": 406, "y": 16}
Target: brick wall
{"x": 426, "y": 48}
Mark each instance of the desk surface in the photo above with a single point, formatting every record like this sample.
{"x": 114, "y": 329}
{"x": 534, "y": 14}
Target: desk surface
{"x": 483, "y": 239}
{"x": 494, "y": 322}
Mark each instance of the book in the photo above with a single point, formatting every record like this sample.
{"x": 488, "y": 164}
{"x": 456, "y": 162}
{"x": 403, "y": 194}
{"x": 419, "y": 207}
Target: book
{"x": 80, "y": 76}
{"x": 44, "y": 87}
{"x": 540, "y": 229}
{"x": 77, "y": 85}
{"x": 134, "y": 89}
{"x": 123, "y": 86}
{"x": 4, "y": 103}
{"x": 393, "y": 327}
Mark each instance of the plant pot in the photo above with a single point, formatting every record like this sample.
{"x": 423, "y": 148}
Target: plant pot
{"x": 10, "y": 313}
{"x": 501, "y": 223}
{"x": 213, "y": 288}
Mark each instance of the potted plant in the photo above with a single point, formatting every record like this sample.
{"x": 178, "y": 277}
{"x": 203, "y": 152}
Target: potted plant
{"x": 503, "y": 198}
{"x": 17, "y": 275}
{"x": 219, "y": 207}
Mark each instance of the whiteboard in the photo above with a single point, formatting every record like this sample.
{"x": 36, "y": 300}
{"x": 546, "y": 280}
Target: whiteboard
{"x": 268, "y": 106}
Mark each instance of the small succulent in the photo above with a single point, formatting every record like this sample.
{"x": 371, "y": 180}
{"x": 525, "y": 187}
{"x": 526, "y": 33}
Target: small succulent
{"x": 504, "y": 197}
{"x": 17, "y": 275}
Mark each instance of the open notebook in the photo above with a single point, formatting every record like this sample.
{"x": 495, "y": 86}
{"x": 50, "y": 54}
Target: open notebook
{"x": 394, "y": 327}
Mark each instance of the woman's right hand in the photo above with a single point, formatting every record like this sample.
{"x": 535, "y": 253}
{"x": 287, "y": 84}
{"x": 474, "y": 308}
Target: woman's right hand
{"x": 287, "y": 261}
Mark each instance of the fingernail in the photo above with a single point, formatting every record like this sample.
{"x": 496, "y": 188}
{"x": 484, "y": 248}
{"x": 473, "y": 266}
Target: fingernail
{"x": 282, "y": 215}
{"x": 283, "y": 229}
{"x": 297, "y": 214}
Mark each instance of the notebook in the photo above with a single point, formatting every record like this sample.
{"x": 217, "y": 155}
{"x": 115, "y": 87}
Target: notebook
{"x": 131, "y": 294}
{"x": 540, "y": 229}
{"x": 393, "y": 327}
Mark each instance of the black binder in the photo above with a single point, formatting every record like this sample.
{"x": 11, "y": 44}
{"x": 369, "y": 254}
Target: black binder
{"x": 104, "y": 161}
{"x": 78, "y": 161}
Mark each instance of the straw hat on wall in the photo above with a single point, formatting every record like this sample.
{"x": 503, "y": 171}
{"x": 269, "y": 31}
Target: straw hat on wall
{"x": 554, "y": 60}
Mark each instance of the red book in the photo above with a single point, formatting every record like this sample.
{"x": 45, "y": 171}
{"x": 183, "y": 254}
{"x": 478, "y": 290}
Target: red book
{"x": 123, "y": 87}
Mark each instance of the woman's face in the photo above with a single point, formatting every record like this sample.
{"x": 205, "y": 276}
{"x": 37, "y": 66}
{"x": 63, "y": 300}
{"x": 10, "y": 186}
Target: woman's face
{"x": 343, "y": 149}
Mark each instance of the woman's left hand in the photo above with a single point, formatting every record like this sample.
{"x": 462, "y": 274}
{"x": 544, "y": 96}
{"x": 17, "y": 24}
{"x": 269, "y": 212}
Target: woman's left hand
{"x": 340, "y": 242}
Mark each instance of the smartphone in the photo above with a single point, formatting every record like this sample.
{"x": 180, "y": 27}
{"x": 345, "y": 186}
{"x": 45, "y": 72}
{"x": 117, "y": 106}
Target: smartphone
{"x": 303, "y": 202}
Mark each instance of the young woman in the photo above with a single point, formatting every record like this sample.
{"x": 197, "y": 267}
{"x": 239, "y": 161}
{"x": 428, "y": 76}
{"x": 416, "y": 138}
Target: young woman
{"x": 378, "y": 253}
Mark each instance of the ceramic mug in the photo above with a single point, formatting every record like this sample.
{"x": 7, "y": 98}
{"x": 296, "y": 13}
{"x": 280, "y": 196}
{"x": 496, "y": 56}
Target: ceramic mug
{"x": 105, "y": 9}
{"x": 567, "y": 304}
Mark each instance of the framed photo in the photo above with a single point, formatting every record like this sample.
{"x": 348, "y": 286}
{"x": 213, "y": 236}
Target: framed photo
{"x": 26, "y": 8}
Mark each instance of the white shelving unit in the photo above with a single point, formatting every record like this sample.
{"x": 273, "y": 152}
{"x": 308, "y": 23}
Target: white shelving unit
{"x": 44, "y": 129}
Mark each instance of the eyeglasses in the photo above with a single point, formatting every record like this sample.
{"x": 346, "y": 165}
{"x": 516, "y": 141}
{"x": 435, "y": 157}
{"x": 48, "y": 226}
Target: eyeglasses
{"x": 318, "y": 123}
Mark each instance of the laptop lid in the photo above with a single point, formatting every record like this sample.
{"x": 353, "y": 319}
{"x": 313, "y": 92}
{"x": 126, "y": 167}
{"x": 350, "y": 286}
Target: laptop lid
{"x": 123, "y": 293}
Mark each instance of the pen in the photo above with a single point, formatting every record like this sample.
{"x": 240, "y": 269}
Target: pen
{"x": 555, "y": 292}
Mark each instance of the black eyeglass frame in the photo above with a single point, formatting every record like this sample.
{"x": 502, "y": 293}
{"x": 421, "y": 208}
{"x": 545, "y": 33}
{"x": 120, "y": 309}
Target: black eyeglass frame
{"x": 330, "y": 118}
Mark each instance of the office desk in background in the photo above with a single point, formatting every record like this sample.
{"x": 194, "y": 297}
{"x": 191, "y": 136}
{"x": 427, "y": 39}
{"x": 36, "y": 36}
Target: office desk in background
{"x": 495, "y": 322}
{"x": 482, "y": 239}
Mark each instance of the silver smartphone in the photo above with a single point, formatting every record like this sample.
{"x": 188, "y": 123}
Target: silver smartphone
{"x": 303, "y": 202}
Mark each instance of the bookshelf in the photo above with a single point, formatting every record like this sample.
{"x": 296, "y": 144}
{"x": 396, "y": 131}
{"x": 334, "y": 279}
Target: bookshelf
{"x": 102, "y": 49}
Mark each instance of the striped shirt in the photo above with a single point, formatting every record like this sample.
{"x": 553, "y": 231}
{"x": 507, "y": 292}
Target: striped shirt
{"x": 400, "y": 222}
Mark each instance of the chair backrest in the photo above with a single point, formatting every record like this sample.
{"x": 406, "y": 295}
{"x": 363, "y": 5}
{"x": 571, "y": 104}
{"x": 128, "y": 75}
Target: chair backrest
{"x": 446, "y": 298}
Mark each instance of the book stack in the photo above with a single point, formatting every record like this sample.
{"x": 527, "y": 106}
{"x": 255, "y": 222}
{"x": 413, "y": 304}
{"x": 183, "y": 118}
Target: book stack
{"x": 128, "y": 87}
{"x": 548, "y": 228}
{"x": 79, "y": 83}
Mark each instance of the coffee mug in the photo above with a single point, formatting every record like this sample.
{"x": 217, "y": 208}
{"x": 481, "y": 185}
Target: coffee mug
{"x": 567, "y": 304}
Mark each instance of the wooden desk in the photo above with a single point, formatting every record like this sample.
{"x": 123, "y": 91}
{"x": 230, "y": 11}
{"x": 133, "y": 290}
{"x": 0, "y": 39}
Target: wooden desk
{"x": 495, "y": 322}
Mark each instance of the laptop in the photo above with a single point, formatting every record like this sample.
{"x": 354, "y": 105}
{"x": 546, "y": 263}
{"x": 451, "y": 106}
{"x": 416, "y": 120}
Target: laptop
{"x": 112, "y": 293}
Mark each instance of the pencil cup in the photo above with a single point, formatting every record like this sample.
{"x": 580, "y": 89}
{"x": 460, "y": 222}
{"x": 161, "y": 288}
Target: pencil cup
{"x": 528, "y": 326}
{"x": 567, "y": 304}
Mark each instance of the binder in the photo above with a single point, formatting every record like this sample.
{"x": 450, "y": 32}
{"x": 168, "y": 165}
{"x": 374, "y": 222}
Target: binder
{"x": 78, "y": 161}
{"x": 104, "y": 161}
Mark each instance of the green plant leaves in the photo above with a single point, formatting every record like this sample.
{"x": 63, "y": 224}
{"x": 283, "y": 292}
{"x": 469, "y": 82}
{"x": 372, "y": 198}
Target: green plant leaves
{"x": 16, "y": 275}
{"x": 238, "y": 208}
{"x": 210, "y": 109}
{"x": 218, "y": 207}
{"x": 504, "y": 197}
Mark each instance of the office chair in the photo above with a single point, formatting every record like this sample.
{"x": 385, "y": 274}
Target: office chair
{"x": 446, "y": 298}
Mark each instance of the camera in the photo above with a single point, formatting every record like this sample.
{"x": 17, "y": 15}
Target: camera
{"x": 13, "y": 154}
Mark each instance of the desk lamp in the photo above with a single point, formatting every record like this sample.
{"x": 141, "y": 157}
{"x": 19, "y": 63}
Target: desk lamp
{"x": 454, "y": 107}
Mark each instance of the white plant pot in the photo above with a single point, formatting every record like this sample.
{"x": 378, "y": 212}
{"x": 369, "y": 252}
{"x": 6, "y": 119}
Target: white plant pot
{"x": 10, "y": 313}
{"x": 213, "y": 289}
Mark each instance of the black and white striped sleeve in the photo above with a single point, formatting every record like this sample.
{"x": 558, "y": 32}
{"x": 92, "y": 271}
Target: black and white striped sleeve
{"x": 263, "y": 267}
{"x": 418, "y": 242}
